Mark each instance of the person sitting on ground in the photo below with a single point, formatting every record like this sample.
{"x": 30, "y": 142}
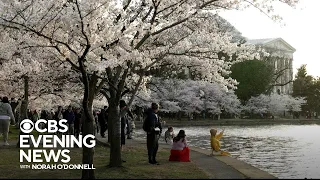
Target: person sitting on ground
{"x": 180, "y": 150}
{"x": 215, "y": 143}
{"x": 169, "y": 135}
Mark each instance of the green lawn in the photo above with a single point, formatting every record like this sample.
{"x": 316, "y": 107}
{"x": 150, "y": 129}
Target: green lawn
{"x": 14, "y": 133}
{"x": 135, "y": 167}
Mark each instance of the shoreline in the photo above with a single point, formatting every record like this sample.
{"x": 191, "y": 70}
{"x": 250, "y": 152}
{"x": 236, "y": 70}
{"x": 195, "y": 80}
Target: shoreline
{"x": 208, "y": 165}
{"x": 237, "y": 122}
{"x": 247, "y": 170}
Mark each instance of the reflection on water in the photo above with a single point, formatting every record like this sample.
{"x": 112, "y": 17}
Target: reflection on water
{"x": 285, "y": 151}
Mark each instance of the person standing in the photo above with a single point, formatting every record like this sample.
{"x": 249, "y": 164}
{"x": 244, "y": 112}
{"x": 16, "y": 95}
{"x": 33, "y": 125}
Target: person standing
{"x": 129, "y": 121}
{"x": 17, "y": 113}
{"x": 58, "y": 116}
{"x": 6, "y": 115}
{"x": 96, "y": 124}
{"x": 35, "y": 116}
{"x": 69, "y": 116}
{"x": 13, "y": 104}
{"x": 103, "y": 119}
{"x": 50, "y": 115}
{"x": 153, "y": 128}
{"x": 29, "y": 114}
{"x": 44, "y": 115}
{"x": 77, "y": 122}
{"x": 124, "y": 113}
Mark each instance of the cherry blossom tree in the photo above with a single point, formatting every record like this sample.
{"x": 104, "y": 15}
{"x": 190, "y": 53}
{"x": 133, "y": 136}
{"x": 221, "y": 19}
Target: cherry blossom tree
{"x": 220, "y": 99}
{"x": 274, "y": 103}
{"x": 108, "y": 41}
{"x": 34, "y": 76}
{"x": 191, "y": 96}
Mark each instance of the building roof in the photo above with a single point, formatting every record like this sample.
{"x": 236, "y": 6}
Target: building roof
{"x": 260, "y": 41}
{"x": 268, "y": 41}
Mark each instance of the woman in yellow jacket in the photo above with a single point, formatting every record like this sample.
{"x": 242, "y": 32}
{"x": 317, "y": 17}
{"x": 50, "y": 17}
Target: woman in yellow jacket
{"x": 215, "y": 143}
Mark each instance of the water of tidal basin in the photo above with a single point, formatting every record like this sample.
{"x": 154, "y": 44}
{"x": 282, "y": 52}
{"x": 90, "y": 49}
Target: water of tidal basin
{"x": 285, "y": 151}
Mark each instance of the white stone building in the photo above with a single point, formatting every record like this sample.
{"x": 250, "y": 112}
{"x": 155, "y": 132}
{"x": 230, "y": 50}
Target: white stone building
{"x": 282, "y": 55}
{"x": 277, "y": 47}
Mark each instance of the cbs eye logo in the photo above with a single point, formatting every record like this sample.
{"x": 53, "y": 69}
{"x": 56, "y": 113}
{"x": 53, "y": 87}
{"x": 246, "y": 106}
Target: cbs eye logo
{"x": 26, "y": 126}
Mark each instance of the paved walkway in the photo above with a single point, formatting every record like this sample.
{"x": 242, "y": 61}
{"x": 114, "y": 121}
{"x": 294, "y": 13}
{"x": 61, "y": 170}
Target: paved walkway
{"x": 217, "y": 167}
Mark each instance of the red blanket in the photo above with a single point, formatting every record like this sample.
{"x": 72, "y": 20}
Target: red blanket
{"x": 180, "y": 155}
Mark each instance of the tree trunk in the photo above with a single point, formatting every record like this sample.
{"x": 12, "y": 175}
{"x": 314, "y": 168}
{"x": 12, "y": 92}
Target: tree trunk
{"x": 109, "y": 126}
{"x": 25, "y": 101}
{"x": 115, "y": 148}
{"x": 88, "y": 153}
{"x": 114, "y": 131}
{"x": 88, "y": 122}
{"x": 24, "y": 106}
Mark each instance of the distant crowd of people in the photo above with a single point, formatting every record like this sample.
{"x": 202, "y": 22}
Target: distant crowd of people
{"x": 75, "y": 121}
{"x": 10, "y": 114}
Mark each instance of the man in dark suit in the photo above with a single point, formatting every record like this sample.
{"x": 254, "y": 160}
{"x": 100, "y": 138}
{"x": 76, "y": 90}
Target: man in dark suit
{"x": 154, "y": 130}
{"x": 103, "y": 119}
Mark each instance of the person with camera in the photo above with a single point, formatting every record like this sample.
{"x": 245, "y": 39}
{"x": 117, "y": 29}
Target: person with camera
{"x": 152, "y": 126}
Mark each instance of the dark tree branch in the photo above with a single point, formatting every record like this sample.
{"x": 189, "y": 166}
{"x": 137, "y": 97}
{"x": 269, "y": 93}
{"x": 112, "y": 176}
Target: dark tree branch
{"x": 125, "y": 92}
{"x": 104, "y": 92}
{"x": 156, "y": 86}
{"x": 282, "y": 84}
{"x": 107, "y": 1}
{"x": 279, "y": 73}
{"x": 82, "y": 29}
{"x": 29, "y": 29}
{"x": 102, "y": 82}
{"x": 146, "y": 36}
{"x": 122, "y": 83}
{"x": 135, "y": 90}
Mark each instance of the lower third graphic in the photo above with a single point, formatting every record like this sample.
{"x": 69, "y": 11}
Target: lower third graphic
{"x": 57, "y": 166}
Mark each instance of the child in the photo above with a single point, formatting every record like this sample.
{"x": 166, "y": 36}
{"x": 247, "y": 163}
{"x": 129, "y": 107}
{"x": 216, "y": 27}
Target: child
{"x": 169, "y": 135}
{"x": 215, "y": 143}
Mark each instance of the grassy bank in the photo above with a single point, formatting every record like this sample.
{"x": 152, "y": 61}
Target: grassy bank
{"x": 135, "y": 167}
